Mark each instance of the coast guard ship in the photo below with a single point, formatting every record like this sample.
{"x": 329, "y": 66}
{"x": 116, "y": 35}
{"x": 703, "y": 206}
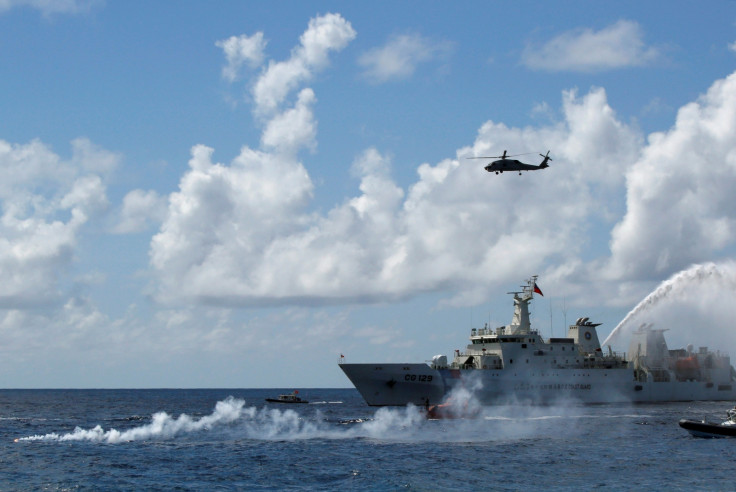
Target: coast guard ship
{"x": 514, "y": 364}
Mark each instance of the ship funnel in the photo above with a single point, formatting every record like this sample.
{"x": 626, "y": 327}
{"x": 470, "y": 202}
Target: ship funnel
{"x": 585, "y": 335}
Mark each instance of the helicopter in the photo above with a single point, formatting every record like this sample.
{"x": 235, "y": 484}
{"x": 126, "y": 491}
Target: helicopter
{"x": 505, "y": 164}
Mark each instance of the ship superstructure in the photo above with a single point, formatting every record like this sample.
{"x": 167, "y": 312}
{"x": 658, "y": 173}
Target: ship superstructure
{"x": 514, "y": 363}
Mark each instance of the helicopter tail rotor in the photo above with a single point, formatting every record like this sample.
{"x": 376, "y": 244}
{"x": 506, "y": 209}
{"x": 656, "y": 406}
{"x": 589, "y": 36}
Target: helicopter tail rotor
{"x": 547, "y": 158}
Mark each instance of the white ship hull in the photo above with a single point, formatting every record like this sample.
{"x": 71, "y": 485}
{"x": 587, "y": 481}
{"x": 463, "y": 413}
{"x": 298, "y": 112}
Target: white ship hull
{"x": 515, "y": 364}
{"x": 419, "y": 384}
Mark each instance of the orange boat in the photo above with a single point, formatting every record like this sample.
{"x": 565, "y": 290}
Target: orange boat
{"x": 449, "y": 410}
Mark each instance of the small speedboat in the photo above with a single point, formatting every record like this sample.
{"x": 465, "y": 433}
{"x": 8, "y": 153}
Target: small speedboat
{"x": 287, "y": 398}
{"x": 442, "y": 411}
{"x": 702, "y": 428}
{"x": 449, "y": 410}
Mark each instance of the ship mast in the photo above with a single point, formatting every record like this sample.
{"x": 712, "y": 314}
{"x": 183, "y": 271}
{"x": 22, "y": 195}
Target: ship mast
{"x": 520, "y": 324}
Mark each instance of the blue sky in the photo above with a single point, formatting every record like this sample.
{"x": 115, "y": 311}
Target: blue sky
{"x": 234, "y": 194}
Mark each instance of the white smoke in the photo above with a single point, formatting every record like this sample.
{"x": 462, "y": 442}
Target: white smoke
{"x": 408, "y": 424}
{"x": 462, "y": 400}
{"x": 161, "y": 426}
{"x": 696, "y": 304}
{"x": 266, "y": 424}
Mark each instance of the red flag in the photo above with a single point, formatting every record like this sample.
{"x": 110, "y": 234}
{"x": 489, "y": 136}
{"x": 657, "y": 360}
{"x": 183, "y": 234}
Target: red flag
{"x": 537, "y": 290}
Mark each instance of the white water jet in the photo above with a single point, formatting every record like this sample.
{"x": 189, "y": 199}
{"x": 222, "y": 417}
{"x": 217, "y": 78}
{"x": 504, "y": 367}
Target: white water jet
{"x": 712, "y": 283}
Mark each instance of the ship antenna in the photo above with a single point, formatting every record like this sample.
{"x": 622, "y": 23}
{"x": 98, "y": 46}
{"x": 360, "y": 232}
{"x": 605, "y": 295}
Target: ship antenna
{"x": 551, "y": 326}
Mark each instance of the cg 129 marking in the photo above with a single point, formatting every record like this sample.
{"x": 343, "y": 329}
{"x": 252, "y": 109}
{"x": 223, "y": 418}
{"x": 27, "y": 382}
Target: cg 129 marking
{"x": 421, "y": 378}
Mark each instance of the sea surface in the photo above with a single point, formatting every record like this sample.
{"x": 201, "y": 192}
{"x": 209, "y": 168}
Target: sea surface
{"x": 231, "y": 439}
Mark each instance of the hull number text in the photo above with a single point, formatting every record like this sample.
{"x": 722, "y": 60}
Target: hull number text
{"x": 421, "y": 378}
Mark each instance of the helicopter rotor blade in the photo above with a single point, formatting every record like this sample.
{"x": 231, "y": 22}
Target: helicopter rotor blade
{"x": 499, "y": 156}
{"x": 514, "y": 155}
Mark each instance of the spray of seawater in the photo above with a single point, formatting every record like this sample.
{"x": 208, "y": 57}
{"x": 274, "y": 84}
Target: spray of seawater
{"x": 691, "y": 287}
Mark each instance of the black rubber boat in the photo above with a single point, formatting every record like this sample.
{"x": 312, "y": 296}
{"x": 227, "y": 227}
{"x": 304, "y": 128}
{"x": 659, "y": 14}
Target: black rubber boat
{"x": 711, "y": 429}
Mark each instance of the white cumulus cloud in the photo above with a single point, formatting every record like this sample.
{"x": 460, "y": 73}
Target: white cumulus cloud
{"x": 327, "y": 33}
{"x": 140, "y": 210}
{"x": 240, "y": 50}
{"x": 241, "y": 233}
{"x": 680, "y": 206}
{"x": 45, "y": 202}
{"x": 294, "y": 128}
{"x": 400, "y": 56}
{"x": 585, "y": 50}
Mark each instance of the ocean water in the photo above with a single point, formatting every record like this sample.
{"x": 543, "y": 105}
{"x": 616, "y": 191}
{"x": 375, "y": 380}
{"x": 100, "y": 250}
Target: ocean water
{"x": 230, "y": 439}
